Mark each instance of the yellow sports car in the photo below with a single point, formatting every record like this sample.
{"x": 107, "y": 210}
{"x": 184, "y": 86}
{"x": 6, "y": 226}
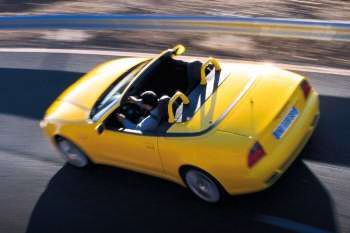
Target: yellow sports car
{"x": 215, "y": 128}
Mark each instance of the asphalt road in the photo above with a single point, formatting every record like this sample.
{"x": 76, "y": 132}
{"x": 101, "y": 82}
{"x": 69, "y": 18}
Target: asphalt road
{"x": 38, "y": 193}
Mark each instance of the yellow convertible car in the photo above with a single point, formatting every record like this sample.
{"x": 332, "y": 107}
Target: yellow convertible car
{"x": 216, "y": 128}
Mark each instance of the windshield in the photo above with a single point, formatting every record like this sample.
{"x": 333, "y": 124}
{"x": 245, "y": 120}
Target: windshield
{"x": 114, "y": 93}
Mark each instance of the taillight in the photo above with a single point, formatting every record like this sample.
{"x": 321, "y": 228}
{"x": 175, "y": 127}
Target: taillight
{"x": 306, "y": 87}
{"x": 255, "y": 154}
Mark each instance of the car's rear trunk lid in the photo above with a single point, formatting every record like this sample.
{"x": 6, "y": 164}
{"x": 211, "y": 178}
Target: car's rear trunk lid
{"x": 268, "y": 110}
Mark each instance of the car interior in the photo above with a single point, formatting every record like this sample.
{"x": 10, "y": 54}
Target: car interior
{"x": 165, "y": 76}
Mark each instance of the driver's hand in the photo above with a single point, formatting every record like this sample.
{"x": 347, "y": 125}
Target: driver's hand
{"x": 120, "y": 117}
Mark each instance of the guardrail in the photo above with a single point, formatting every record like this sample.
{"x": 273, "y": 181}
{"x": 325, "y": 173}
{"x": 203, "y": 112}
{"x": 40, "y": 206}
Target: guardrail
{"x": 276, "y": 27}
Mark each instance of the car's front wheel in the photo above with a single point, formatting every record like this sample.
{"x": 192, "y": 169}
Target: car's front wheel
{"x": 72, "y": 154}
{"x": 202, "y": 185}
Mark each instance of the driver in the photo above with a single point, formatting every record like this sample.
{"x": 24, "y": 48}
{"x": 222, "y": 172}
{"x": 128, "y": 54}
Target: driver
{"x": 155, "y": 107}
{"x": 147, "y": 102}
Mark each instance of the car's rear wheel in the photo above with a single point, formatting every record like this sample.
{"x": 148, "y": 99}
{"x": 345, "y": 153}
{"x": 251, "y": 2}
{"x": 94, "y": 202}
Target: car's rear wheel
{"x": 202, "y": 185}
{"x": 72, "y": 154}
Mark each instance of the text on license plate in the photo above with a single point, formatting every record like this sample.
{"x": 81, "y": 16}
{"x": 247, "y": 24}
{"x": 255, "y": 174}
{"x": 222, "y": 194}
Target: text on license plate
{"x": 286, "y": 123}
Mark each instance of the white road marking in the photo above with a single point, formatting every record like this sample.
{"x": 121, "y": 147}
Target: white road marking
{"x": 316, "y": 69}
{"x": 289, "y": 224}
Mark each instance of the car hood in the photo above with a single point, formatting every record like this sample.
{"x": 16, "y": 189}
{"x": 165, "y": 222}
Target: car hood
{"x": 66, "y": 111}
{"x": 78, "y": 99}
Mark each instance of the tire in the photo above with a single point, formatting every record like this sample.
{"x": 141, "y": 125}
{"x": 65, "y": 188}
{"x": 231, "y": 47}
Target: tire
{"x": 203, "y": 185}
{"x": 72, "y": 154}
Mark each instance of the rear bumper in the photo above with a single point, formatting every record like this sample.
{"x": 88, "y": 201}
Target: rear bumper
{"x": 273, "y": 165}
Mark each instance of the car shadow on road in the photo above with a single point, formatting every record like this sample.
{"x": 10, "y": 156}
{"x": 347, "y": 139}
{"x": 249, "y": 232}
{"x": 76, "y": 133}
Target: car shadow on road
{"x": 106, "y": 199}
{"x": 330, "y": 141}
{"x": 28, "y": 93}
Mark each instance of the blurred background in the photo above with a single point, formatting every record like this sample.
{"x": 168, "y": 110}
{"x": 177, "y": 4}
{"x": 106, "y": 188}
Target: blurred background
{"x": 283, "y": 50}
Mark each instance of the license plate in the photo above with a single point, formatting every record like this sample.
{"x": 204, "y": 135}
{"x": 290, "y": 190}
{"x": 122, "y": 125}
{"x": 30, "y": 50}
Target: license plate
{"x": 286, "y": 123}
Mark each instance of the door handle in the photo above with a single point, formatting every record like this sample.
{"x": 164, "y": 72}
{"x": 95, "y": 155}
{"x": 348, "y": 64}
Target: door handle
{"x": 150, "y": 146}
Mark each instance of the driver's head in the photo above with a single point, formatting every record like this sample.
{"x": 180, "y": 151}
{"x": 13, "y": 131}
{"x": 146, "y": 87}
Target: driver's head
{"x": 149, "y": 98}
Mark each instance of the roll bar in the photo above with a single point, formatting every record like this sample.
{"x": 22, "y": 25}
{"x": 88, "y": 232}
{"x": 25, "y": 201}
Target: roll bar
{"x": 212, "y": 61}
{"x": 172, "y": 100}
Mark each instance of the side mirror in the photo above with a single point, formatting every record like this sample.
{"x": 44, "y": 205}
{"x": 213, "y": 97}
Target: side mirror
{"x": 179, "y": 49}
{"x": 100, "y": 128}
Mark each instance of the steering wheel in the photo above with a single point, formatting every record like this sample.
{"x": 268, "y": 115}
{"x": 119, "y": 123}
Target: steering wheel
{"x": 132, "y": 111}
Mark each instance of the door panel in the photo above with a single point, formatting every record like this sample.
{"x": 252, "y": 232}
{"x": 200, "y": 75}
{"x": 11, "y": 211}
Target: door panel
{"x": 134, "y": 150}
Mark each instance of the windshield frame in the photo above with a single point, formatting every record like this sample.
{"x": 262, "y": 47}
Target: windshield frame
{"x": 139, "y": 76}
{"x": 95, "y": 114}
{"x": 145, "y": 70}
